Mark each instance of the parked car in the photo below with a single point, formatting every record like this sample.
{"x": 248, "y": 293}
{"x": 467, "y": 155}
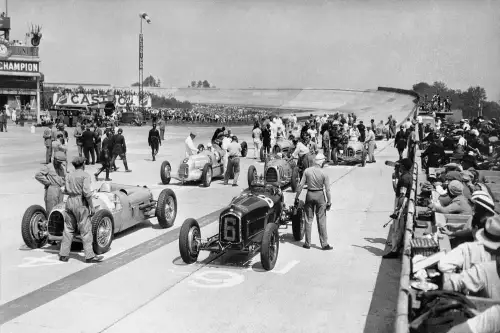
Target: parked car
{"x": 280, "y": 171}
{"x": 354, "y": 152}
{"x": 204, "y": 166}
{"x": 282, "y": 145}
{"x": 118, "y": 207}
{"x": 250, "y": 223}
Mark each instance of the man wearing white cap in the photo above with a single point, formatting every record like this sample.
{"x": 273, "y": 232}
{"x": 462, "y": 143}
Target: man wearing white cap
{"x": 458, "y": 203}
{"x": 317, "y": 184}
{"x": 190, "y": 148}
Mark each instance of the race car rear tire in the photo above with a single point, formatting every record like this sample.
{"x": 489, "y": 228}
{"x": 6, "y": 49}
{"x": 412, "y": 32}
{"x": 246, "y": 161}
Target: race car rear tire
{"x": 270, "y": 246}
{"x": 244, "y": 149}
{"x": 164, "y": 175}
{"x": 251, "y": 175}
{"x": 190, "y": 230}
{"x": 262, "y": 155}
{"x": 31, "y": 216}
{"x": 294, "y": 182}
{"x": 206, "y": 175}
{"x": 298, "y": 222}
{"x": 103, "y": 227}
{"x": 166, "y": 217}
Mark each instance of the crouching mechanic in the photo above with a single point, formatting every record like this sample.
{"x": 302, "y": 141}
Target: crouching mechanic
{"x": 317, "y": 184}
{"x": 233, "y": 162}
{"x": 79, "y": 204}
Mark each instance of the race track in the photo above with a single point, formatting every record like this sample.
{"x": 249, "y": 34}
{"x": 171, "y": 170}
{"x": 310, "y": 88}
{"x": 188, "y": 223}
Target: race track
{"x": 143, "y": 285}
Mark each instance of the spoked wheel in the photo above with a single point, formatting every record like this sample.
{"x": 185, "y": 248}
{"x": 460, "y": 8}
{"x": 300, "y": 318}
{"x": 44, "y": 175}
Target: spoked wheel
{"x": 166, "y": 208}
{"x": 34, "y": 227}
{"x": 270, "y": 246}
{"x": 190, "y": 241}
{"x": 102, "y": 231}
{"x": 206, "y": 176}
{"x": 165, "y": 172}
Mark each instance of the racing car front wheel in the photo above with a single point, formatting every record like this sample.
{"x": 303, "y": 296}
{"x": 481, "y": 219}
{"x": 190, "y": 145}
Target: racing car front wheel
{"x": 165, "y": 171}
{"x": 244, "y": 149}
{"x": 103, "y": 227}
{"x": 298, "y": 222}
{"x": 251, "y": 175}
{"x": 166, "y": 208}
{"x": 189, "y": 241}
{"x": 270, "y": 246}
{"x": 206, "y": 175}
{"x": 33, "y": 225}
{"x": 363, "y": 157}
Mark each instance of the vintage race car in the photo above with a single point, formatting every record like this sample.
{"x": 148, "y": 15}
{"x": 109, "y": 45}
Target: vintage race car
{"x": 353, "y": 153}
{"x": 282, "y": 145}
{"x": 280, "y": 171}
{"x": 203, "y": 166}
{"x": 250, "y": 223}
{"x": 118, "y": 207}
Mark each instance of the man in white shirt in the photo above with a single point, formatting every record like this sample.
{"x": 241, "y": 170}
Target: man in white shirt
{"x": 407, "y": 124}
{"x": 466, "y": 126}
{"x": 190, "y": 148}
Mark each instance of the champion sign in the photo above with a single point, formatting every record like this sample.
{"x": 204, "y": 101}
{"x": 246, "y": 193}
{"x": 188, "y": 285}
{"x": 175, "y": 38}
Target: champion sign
{"x": 19, "y": 66}
{"x": 86, "y": 99}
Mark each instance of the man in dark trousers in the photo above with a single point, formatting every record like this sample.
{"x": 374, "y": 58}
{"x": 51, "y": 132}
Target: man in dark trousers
{"x": 3, "y": 121}
{"x": 88, "y": 145}
{"x": 362, "y": 131}
{"x": 154, "y": 141}
{"x": 317, "y": 185}
{"x": 79, "y": 203}
{"x": 266, "y": 139}
{"x": 97, "y": 142}
{"x": 105, "y": 157}
{"x": 119, "y": 149}
{"x": 233, "y": 163}
{"x": 400, "y": 141}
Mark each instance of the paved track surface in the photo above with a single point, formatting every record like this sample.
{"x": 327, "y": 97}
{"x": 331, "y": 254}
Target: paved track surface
{"x": 143, "y": 285}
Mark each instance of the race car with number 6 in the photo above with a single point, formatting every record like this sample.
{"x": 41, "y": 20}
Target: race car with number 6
{"x": 250, "y": 223}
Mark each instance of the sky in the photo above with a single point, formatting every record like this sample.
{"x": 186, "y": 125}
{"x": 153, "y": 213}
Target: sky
{"x": 343, "y": 44}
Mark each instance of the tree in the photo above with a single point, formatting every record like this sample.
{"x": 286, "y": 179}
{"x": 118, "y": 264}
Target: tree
{"x": 420, "y": 87}
{"x": 193, "y": 84}
{"x": 200, "y": 84}
{"x": 150, "y": 81}
{"x": 206, "y": 84}
{"x": 440, "y": 87}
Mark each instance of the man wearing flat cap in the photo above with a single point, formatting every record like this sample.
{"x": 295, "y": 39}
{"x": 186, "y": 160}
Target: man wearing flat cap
{"x": 79, "y": 204}
{"x": 318, "y": 184}
{"x": 51, "y": 176}
{"x": 458, "y": 203}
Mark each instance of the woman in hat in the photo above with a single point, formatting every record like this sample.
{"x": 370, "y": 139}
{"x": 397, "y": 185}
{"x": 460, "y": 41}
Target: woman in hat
{"x": 458, "y": 203}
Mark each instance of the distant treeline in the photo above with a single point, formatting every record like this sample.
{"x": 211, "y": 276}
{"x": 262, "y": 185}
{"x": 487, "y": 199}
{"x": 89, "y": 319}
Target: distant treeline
{"x": 470, "y": 101}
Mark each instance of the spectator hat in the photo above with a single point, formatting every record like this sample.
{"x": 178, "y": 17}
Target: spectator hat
{"x": 78, "y": 161}
{"x": 319, "y": 158}
{"x": 490, "y": 234}
{"x": 455, "y": 188}
{"x": 483, "y": 198}
{"x": 192, "y": 133}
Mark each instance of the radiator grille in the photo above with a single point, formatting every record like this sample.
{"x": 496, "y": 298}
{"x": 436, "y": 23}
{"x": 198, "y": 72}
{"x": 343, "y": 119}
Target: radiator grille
{"x": 184, "y": 170}
{"x": 271, "y": 175}
{"x": 230, "y": 229}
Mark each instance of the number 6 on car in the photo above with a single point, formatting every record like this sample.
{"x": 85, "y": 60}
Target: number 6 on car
{"x": 250, "y": 223}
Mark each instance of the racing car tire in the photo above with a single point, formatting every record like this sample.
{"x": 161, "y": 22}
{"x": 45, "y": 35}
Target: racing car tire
{"x": 298, "y": 222}
{"x": 165, "y": 178}
{"x": 252, "y": 172}
{"x": 262, "y": 155}
{"x": 270, "y": 246}
{"x": 95, "y": 221}
{"x": 161, "y": 214}
{"x": 206, "y": 175}
{"x": 244, "y": 149}
{"x": 32, "y": 241}
{"x": 295, "y": 179}
{"x": 189, "y": 230}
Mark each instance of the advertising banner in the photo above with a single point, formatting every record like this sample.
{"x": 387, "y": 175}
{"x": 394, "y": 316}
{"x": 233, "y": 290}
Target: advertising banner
{"x": 86, "y": 99}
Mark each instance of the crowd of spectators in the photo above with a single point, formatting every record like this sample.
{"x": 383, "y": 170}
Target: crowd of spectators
{"x": 81, "y": 90}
